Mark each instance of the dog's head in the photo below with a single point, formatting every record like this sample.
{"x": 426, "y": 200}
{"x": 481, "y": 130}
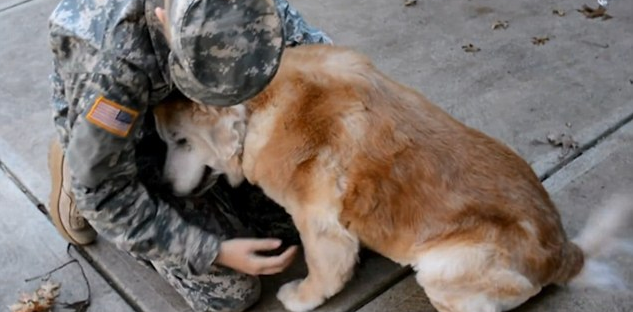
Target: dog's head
{"x": 203, "y": 142}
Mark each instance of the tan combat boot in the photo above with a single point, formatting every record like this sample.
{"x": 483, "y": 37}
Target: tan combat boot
{"x": 62, "y": 208}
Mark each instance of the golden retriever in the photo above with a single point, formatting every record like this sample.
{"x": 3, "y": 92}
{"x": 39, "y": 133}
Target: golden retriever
{"x": 359, "y": 159}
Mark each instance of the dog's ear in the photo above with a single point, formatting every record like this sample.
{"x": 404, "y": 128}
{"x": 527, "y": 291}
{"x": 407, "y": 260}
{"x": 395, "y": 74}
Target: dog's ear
{"x": 234, "y": 120}
{"x": 161, "y": 119}
{"x": 228, "y": 137}
{"x": 239, "y": 125}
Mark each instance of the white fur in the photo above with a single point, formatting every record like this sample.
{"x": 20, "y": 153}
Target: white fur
{"x": 439, "y": 267}
{"x": 185, "y": 163}
{"x": 184, "y": 168}
{"x": 451, "y": 263}
{"x": 287, "y": 294}
{"x": 600, "y": 238}
{"x": 259, "y": 130}
{"x": 596, "y": 274}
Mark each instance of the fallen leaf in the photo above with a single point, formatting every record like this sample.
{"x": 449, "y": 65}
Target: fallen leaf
{"x": 410, "y": 2}
{"x": 565, "y": 141}
{"x": 558, "y": 12}
{"x": 49, "y": 290}
{"x": 15, "y": 307}
{"x": 540, "y": 40}
{"x": 590, "y": 12}
{"x": 42, "y": 300}
{"x": 500, "y": 25}
{"x": 470, "y": 48}
{"x": 24, "y": 297}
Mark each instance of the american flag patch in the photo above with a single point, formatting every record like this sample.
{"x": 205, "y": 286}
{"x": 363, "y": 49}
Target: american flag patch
{"x": 112, "y": 117}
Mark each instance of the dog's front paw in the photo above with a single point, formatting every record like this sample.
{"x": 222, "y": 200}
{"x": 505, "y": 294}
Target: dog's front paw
{"x": 298, "y": 299}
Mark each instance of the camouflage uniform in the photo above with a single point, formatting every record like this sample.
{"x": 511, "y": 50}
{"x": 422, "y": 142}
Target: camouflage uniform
{"x": 111, "y": 57}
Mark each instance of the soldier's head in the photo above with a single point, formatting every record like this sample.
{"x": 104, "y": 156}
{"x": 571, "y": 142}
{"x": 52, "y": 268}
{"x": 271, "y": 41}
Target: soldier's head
{"x": 223, "y": 52}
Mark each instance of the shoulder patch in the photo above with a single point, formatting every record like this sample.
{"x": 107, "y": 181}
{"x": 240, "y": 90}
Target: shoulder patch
{"x": 112, "y": 117}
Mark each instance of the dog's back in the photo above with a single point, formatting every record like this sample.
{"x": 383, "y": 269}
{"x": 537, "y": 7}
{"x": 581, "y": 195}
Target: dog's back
{"x": 408, "y": 175}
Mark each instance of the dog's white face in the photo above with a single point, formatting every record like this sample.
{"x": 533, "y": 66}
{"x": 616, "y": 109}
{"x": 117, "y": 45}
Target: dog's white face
{"x": 203, "y": 142}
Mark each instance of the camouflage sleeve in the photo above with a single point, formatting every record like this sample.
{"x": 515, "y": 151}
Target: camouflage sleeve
{"x": 297, "y": 30}
{"x": 105, "y": 180}
{"x": 100, "y": 98}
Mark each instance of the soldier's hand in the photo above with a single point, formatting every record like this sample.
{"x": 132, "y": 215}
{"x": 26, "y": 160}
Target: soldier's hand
{"x": 241, "y": 255}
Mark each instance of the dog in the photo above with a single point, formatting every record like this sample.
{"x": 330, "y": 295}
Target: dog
{"x": 358, "y": 159}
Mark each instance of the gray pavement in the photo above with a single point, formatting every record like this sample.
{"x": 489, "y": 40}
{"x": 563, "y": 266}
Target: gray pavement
{"x": 26, "y": 125}
{"x": 31, "y": 247}
{"x": 579, "y": 83}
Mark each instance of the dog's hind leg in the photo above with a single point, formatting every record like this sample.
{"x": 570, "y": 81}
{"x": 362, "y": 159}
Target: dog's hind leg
{"x": 471, "y": 279}
{"x": 331, "y": 253}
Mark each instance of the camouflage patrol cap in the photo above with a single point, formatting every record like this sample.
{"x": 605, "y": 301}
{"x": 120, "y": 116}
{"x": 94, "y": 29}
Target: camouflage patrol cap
{"x": 223, "y": 51}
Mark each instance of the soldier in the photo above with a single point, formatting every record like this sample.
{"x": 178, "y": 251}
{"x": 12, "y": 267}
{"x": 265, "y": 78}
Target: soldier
{"x": 112, "y": 63}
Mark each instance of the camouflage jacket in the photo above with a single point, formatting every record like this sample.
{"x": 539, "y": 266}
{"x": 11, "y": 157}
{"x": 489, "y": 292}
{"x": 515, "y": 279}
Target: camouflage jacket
{"x": 110, "y": 66}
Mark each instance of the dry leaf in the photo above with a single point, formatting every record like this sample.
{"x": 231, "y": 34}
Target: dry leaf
{"x": 16, "y": 307}
{"x": 27, "y": 304}
{"x": 24, "y": 297}
{"x": 500, "y": 25}
{"x": 590, "y": 12}
{"x": 470, "y": 48}
{"x": 566, "y": 142}
{"x": 410, "y": 2}
{"x": 49, "y": 290}
{"x": 558, "y": 12}
{"x": 563, "y": 140}
{"x": 42, "y": 300}
{"x": 540, "y": 40}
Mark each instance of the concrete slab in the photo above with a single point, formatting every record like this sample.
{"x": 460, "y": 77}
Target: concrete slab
{"x": 26, "y": 125}
{"x": 577, "y": 189}
{"x": 373, "y": 275}
{"x": 30, "y": 247}
{"x": 511, "y": 89}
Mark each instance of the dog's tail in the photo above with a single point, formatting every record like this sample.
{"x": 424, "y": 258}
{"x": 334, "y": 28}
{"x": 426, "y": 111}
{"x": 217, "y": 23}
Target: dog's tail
{"x": 601, "y": 237}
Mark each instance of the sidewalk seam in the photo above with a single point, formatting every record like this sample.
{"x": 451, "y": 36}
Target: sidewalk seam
{"x": 585, "y": 147}
{"x": 32, "y": 198}
{"x": 14, "y": 5}
{"x": 107, "y": 277}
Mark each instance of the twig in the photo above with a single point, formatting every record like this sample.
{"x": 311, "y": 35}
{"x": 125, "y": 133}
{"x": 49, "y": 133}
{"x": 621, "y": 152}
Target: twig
{"x": 81, "y": 305}
{"x": 46, "y": 276}
{"x": 78, "y": 306}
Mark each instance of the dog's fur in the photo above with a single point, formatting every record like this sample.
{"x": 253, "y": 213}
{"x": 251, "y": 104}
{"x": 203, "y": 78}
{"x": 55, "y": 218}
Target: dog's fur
{"x": 357, "y": 158}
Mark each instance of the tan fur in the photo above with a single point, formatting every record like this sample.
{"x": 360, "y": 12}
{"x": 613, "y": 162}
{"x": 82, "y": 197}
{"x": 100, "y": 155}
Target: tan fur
{"x": 356, "y": 157}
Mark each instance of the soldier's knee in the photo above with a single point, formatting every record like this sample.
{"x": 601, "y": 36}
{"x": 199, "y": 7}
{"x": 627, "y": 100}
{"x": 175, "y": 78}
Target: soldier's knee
{"x": 222, "y": 291}
{"x": 241, "y": 295}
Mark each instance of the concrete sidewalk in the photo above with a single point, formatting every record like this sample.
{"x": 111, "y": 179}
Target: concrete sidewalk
{"x": 579, "y": 83}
